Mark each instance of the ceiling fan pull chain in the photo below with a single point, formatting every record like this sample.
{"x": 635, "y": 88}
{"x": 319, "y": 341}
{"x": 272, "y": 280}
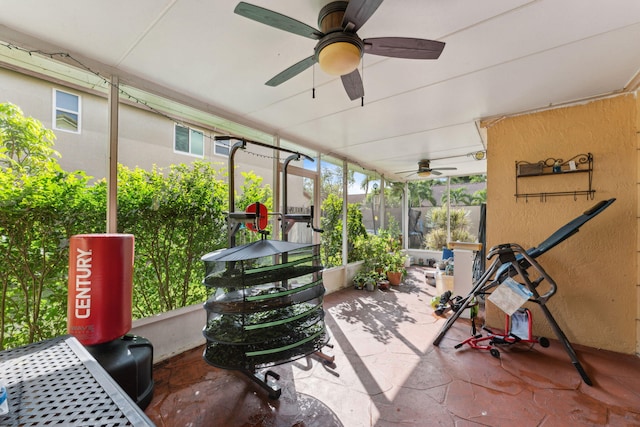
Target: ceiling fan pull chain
{"x": 362, "y": 73}
{"x": 313, "y": 85}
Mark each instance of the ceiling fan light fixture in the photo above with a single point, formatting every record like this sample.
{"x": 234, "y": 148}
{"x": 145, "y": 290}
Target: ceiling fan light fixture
{"x": 339, "y": 47}
{"x": 424, "y": 173}
{"x": 339, "y": 58}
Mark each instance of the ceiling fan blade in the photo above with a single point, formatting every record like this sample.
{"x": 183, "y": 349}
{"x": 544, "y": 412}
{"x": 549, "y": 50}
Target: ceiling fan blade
{"x": 277, "y": 20}
{"x": 404, "y": 47}
{"x": 445, "y": 169}
{"x": 357, "y": 13}
{"x": 292, "y": 71}
{"x": 435, "y": 172}
{"x": 352, "y": 83}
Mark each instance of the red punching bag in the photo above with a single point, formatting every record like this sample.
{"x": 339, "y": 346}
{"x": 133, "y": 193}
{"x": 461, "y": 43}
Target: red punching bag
{"x": 100, "y": 287}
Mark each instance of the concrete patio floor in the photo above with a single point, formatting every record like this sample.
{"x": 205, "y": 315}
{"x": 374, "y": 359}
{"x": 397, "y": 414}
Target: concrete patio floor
{"x": 387, "y": 373}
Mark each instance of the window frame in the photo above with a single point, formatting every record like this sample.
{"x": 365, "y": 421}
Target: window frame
{"x": 55, "y": 109}
{"x": 190, "y": 152}
{"x": 222, "y": 143}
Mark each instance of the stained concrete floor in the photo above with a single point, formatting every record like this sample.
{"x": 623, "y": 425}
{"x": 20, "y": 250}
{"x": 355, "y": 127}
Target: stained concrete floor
{"x": 388, "y": 374}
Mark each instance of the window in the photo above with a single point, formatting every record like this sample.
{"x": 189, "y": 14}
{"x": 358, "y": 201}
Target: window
{"x": 66, "y": 111}
{"x": 189, "y": 141}
{"x": 221, "y": 148}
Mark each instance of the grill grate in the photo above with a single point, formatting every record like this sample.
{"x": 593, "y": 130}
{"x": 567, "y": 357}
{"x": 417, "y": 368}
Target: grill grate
{"x": 57, "y": 382}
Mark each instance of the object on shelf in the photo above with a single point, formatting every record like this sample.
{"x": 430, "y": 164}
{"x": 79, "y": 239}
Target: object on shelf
{"x": 529, "y": 169}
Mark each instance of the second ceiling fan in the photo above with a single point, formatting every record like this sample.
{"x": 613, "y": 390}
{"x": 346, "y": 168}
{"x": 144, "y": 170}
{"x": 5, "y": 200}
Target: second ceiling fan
{"x": 339, "y": 49}
{"x": 425, "y": 169}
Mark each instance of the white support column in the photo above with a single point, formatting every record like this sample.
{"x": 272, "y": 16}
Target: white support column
{"x": 448, "y": 209}
{"x": 112, "y": 159}
{"x": 381, "y": 208}
{"x": 345, "y": 206}
{"x": 405, "y": 216}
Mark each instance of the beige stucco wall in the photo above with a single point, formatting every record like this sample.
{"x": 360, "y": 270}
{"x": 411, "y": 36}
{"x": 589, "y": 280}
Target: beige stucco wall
{"x": 145, "y": 138}
{"x": 597, "y": 302}
{"x": 638, "y": 219}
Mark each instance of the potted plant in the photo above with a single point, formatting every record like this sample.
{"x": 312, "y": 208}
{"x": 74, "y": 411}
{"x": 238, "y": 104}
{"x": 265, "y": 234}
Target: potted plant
{"x": 394, "y": 267}
{"x": 359, "y": 279}
{"x": 375, "y": 252}
{"x": 378, "y": 254}
{"x": 366, "y": 278}
{"x": 383, "y": 283}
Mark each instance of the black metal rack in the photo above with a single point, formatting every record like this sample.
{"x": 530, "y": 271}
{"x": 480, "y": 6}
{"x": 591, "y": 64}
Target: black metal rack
{"x": 578, "y": 164}
{"x": 263, "y": 310}
{"x": 265, "y": 302}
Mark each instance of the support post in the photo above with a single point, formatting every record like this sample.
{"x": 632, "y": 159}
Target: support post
{"x": 112, "y": 159}
{"x": 381, "y": 207}
{"x": 405, "y": 216}
{"x": 345, "y": 216}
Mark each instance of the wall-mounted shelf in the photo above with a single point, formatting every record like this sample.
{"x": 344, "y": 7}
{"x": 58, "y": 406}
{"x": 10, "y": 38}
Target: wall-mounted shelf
{"x": 579, "y": 164}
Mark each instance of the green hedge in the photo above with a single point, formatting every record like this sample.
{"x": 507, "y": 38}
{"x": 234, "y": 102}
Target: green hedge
{"x": 176, "y": 216}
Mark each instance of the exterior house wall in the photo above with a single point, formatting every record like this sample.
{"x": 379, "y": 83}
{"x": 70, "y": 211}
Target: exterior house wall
{"x": 145, "y": 138}
{"x": 35, "y": 99}
{"x": 596, "y": 269}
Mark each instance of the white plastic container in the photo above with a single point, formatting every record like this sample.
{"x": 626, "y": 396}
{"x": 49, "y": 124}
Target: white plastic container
{"x": 444, "y": 283}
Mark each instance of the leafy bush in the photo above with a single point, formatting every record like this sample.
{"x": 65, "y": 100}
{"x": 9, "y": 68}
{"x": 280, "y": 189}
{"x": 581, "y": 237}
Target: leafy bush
{"x": 331, "y": 223}
{"x": 459, "y": 226}
{"x": 40, "y": 207}
{"x": 176, "y": 216}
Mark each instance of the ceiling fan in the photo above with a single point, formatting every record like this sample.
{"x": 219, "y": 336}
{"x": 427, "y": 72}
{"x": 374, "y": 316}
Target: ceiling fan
{"x": 425, "y": 169}
{"x": 339, "y": 48}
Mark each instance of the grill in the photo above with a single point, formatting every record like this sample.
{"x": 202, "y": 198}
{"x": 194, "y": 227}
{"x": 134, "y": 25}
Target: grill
{"x": 264, "y": 307}
{"x": 57, "y": 382}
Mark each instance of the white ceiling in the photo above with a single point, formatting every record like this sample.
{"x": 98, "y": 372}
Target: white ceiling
{"x": 501, "y": 58}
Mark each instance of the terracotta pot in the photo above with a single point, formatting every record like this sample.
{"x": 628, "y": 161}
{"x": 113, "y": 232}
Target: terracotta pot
{"x": 383, "y": 284}
{"x": 394, "y": 277}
